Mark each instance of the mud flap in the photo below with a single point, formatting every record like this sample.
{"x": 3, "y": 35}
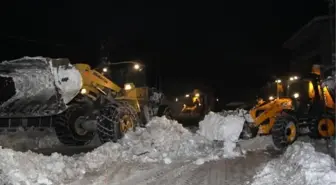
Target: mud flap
{"x": 37, "y": 86}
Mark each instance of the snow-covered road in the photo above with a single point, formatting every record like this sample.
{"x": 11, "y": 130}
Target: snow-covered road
{"x": 225, "y": 171}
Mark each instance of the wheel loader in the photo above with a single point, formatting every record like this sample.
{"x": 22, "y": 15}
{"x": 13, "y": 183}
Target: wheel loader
{"x": 192, "y": 106}
{"x": 74, "y": 99}
{"x": 313, "y": 109}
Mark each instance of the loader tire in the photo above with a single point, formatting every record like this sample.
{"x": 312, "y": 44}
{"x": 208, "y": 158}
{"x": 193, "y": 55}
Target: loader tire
{"x": 166, "y": 111}
{"x": 111, "y": 121}
{"x": 65, "y": 127}
{"x": 284, "y": 132}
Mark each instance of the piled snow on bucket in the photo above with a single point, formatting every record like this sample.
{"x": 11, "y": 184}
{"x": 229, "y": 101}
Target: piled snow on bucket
{"x": 220, "y": 128}
{"x": 300, "y": 165}
{"x": 162, "y": 141}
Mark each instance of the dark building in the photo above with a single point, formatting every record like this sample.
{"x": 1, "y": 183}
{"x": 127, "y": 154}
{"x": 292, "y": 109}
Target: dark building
{"x": 312, "y": 44}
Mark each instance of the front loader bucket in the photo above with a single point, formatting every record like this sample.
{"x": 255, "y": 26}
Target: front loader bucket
{"x": 37, "y": 86}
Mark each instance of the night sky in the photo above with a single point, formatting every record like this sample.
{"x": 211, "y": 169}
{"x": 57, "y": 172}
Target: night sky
{"x": 232, "y": 46}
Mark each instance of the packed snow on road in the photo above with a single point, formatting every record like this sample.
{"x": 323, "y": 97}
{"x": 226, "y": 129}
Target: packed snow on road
{"x": 167, "y": 153}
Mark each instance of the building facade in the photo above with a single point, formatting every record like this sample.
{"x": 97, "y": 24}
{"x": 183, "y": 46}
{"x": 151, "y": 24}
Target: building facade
{"x": 312, "y": 44}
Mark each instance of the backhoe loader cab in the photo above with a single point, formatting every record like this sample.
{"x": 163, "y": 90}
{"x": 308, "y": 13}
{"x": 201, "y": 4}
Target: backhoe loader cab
{"x": 312, "y": 112}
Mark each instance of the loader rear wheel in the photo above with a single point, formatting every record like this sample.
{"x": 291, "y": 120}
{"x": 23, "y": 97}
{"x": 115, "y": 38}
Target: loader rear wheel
{"x": 68, "y": 130}
{"x": 284, "y": 132}
{"x": 115, "y": 121}
{"x": 326, "y": 127}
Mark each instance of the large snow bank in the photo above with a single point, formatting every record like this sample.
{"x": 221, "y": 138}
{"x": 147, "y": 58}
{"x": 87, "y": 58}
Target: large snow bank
{"x": 300, "y": 165}
{"x": 162, "y": 141}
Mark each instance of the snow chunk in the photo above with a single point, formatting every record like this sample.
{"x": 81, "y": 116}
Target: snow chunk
{"x": 300, "y": 165}
{"x": 223, "y": 128}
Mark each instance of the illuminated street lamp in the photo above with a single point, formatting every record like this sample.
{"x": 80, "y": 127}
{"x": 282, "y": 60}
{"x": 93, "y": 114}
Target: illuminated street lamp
{"x": 136, "y": 65}
{"x": 105, "y": 69}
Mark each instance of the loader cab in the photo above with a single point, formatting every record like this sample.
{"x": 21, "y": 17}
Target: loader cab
{"x": 306, "y": 94}
{"x": 270, "y": 92}
{"x": 126, "y": 74}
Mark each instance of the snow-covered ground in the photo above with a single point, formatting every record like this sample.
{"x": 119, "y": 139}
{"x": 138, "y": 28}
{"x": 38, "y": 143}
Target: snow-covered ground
{"x": 164, "y": 153}
{"x": 299, "y": 165}
{"x": 163, "y": 141}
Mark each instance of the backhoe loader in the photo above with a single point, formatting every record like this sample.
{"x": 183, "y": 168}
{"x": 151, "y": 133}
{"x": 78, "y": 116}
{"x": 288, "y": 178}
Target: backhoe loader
{"x": 313, "y": 109}
{"x": 262, "y": 115}
{"x": 76, "y": 100}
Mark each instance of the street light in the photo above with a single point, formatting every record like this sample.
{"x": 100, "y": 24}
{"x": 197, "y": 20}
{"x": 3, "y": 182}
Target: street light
{"x": 105, "y": 69}
{"x": 136, "y": 65}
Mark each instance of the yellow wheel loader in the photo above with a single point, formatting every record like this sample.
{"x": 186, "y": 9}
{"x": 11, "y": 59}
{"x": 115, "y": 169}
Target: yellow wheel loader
{"x": 76, "y": 100}
{"x": 192, "y": 106}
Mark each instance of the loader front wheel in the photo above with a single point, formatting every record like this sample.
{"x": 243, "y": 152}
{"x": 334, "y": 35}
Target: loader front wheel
{"x": 68, "y": 130}
{"x": 284, "y": 132}
{"x": 115, "y": 121}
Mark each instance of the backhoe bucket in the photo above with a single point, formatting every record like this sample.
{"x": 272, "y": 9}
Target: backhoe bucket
{"x": 37, "y": 86}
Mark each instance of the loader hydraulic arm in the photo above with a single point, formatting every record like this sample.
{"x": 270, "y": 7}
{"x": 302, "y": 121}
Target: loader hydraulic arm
{"x": 95, "y": 82}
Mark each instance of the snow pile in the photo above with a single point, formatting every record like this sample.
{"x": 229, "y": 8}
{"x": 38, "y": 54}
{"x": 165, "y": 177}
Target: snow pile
{"x": 222, "y": 128}
{"x": 300, "y": 165}
{"x": 30, "y": 139}
{"x": 162, "y": 141}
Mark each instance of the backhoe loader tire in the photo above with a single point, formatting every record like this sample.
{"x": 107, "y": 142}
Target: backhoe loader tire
{"x": 165, "y": 110}
{"x": 64, "y": 125}
{"x": 109, "y": 129}
{"x": 280, "y": 132}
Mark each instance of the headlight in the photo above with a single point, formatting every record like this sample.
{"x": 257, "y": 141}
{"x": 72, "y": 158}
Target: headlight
{"x": 197, "y": 95}
{"x": 83, "y": 91}
{"x": 187, "y": 95}
{"x": 128, "y": 87}
{"x": 296, "y": 95}
{"x": 271, "y": 98}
